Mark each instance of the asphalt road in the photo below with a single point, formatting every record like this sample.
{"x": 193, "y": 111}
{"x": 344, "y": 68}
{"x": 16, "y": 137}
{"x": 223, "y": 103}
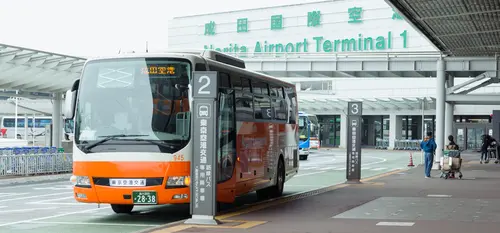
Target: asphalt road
{"x": 50, "y": 207}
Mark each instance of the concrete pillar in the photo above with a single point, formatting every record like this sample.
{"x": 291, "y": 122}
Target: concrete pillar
{"x": 449, "y": 113}
{"x": 395, "y": 129}
{"x": 343, "y": 131}
{"x": 57, "y": 120}
{"x": 440, "y": 109}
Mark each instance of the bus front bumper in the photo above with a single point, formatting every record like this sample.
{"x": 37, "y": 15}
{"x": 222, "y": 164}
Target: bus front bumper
{"x": 125, "y": 195}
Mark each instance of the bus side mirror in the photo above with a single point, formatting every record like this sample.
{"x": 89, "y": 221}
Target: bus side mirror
{"x": 70, "y": 101}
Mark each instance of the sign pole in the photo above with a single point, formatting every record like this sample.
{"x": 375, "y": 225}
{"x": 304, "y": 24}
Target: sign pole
{"x": 354, "y": 133}
{"x": 203, "y": 198}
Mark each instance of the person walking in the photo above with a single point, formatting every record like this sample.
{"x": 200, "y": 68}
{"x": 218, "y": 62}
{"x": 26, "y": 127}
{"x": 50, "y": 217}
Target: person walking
{"x": 428, "y": 145}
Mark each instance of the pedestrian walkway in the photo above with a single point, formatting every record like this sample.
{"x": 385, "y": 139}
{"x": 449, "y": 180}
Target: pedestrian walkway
{"x": 400, "y": 201}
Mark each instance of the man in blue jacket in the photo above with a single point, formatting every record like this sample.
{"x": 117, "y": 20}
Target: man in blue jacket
{"x": 428, "y": 145}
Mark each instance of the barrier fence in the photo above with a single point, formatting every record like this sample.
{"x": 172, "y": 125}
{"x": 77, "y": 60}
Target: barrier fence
{"x": 27, "y": 161}
{"x": 398, "y": 144}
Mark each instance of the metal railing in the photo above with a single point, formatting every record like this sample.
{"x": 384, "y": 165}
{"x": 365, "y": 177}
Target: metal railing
{"x": 26, "y": 164}
{"x": 399, "y": 144}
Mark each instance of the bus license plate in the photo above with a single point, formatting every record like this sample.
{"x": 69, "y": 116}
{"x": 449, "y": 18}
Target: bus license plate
{"x": 144, "y": 197}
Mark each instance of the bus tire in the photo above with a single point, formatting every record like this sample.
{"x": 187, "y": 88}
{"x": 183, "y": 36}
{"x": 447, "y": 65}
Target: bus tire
{"x": 277, "y": 190}
{"x": 122, "y": 209}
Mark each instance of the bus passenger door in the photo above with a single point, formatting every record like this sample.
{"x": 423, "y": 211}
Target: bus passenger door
{"x": 226, "y": 152}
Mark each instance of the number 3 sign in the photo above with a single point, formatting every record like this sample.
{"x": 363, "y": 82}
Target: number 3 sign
{"x": 355, "y": 108}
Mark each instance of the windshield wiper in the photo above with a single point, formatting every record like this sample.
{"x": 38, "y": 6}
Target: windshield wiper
{"x": 158, "y": 143}
{"x": 107, "y": 138}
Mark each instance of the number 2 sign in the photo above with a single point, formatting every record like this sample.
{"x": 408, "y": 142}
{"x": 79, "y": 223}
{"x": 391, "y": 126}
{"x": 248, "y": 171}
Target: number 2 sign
{"x": 205, "y": 84}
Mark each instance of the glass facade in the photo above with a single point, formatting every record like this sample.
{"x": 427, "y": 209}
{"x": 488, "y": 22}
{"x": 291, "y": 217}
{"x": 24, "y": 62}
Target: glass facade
{"x": 467, "y": 129}
{"x": 329, "y": 130}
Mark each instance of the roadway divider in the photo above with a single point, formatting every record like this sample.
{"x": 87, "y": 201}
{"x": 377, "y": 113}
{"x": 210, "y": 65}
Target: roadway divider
{"x": 26, "y": 161}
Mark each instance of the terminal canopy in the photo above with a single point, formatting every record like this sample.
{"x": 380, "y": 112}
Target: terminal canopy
{"x": 324, "y": 104}
{"x": 29, "y": 71}
{"x": 460, "y": 28}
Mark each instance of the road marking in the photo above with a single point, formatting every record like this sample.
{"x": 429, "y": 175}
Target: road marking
{"x": 438, "y": 195}
{"x": 339, "y": 169}
{"x": 34, "y": 185}
{"x": 52, "y": 216}
{"x": 37, "y": 196}
{"x": 327, "y": 168}
{"x": 399, "y": 224}
{"x": 378, "y": 169}
{"x": 61, "y": 187}
{"x": 3, "y": 207}
{"x": 26, "y": 210}
{"x": 2, "y": 195}
{"x": 308, "y": 174}
{"x": 93, "y": 223}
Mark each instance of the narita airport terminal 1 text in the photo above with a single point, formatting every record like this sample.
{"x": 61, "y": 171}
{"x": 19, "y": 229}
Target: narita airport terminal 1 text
{"x": 321, "y": 44}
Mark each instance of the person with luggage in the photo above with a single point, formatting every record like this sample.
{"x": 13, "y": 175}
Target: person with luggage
{"x": 452, "y": 146}
{"x": 428, "y": 145}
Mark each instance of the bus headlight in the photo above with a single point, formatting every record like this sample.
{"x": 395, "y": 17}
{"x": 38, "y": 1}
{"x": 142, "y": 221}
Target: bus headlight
{"x": 80, "y": 181}
{"x": 178, "y": 181}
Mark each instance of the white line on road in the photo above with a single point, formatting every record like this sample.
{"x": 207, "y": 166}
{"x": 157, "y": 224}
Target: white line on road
{"x": 37, "y": 196}
{"x": 26, "y": 210}
{"x": 49, "y": 200}
{"x": 11, "y": 194}
{"x": 379, "y": 169}
{"x": 98, "y": 224}
{"x": 3, "y": 207}
{"x": 302, "y": 185}
{"x": 58, "y": 203}
{"x": 399, "y": 224}
{"x": 34, "y": 185}
{"x": 340, "y": 169}
{"x": 438, "y": 195}
{"x": 308, "y": 174}
{"x": 52, "y": 216}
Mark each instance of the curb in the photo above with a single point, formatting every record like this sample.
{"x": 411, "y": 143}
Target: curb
{"x": 34, "y": 179}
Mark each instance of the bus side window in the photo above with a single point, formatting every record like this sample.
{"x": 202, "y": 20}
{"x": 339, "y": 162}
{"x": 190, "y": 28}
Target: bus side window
{"x": 244, "y": 106}
{"x": 262, "y": 108}
{"x": 292, "y": 105}
{"x": 279, "y": 109}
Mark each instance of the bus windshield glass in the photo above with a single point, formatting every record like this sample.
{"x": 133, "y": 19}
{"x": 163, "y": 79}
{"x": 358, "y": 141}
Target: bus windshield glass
{"x": 145, "y": 97}
{"x": 303, "y": 135}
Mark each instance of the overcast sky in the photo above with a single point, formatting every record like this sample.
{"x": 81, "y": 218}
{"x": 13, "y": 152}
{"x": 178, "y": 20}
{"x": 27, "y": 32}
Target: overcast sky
{"x": 101, "y": 27}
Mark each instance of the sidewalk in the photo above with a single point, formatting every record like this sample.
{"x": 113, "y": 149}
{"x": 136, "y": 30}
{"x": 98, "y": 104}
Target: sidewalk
{"x": 403, "y": 201}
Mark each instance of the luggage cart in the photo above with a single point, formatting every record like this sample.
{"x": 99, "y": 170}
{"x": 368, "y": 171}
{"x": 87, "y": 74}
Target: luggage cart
{"x": 451, "y": 164}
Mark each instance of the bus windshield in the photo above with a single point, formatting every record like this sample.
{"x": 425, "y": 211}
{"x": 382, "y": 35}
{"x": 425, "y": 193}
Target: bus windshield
{"x": 144, "y": 97}
{"x": 303, "y": 134}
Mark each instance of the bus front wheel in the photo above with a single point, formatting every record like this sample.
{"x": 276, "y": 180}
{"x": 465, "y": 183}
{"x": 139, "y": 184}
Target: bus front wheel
{"x": 122, "y": 209}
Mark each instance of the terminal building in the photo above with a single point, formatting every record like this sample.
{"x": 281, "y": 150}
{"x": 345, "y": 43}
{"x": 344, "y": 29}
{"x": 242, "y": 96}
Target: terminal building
{"x": 339, "y": 51}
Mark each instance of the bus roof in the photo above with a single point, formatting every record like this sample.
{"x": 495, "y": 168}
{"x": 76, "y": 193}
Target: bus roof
{"x": 207, "y": 54}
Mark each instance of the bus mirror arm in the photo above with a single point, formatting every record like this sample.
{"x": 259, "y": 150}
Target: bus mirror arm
{"x": 181, "y": 87}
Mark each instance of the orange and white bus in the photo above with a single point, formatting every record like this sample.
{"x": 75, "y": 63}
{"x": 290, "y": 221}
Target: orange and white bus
{"x": 133, "y": 129}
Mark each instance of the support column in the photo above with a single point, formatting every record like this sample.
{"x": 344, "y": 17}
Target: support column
{"x": 395, "y": 129}
{"x": 343, "y": 131}
{"x": 449, "y": 113}
{"x": 57, "y": 121}
{"x": 440, "y": 109}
